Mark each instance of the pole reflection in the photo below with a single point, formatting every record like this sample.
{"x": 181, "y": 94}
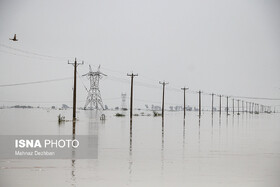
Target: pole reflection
{"x": 130, "y": 160}
{"x": 220, "y": 124}
{"x": 199, "y": 133}
{"x": 73, "y": 173}
{"x": 212, "y": 128}
{"x": 184, "y": 138}
{"x": 162, "y": 148}
{"x": 73, "y": 169}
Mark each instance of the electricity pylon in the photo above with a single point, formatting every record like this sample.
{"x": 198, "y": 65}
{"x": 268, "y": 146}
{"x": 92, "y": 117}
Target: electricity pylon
{"x": 123, "y": 101}
{"x": 94, "y": 99}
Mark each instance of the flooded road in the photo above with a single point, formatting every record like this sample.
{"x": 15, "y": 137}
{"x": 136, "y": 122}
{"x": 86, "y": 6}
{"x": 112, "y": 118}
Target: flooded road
{"x": 239, "y": 150}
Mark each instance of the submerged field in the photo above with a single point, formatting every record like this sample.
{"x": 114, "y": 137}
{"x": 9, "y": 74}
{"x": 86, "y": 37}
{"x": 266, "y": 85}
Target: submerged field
{"x": 215, "y": 151}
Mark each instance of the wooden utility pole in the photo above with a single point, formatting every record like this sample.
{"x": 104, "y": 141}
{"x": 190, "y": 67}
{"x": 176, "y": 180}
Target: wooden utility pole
{"x": 131, "y": 95}
{"x": 249, "y": 107}
{"x": 75, "y": 64}
{"x": 163, "y": 91}
{"x": 212, "y": 103}
{"x": 238, "y": 107}
{"x": 227, "y": 106}
{"x": 220, "y": 111}
{"x": 233, "y": 106}
{"x": 184, "y": 100}
{"x": 199, "y": 103}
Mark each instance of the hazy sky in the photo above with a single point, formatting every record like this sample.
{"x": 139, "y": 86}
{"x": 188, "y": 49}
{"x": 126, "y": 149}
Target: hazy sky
{"x": 228, "y": 47}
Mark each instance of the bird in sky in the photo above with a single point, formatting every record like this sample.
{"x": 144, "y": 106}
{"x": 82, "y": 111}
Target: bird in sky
{"x": 15, "y": 38}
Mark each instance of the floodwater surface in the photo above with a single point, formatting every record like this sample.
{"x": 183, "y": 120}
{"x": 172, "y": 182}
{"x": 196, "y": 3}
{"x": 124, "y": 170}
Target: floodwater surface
{"x": 239, "y": 150}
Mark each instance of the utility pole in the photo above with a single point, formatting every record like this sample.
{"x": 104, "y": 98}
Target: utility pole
{"x": 131, "y": 108}
{"x": 199, "y": 103}
{"x": 75, "y": 64}
{"x": 184, "y": 100}
{"x": 131, "y": 96}
{"x": 233, "y": 106}
{"x": 220, "y": 104}
{"x": 227, "y": 106}
{"x": 212, "y": 103}
{"x": 242, "y": 106}
{"x": 238, "y": 107}
{"x": 163, "y": 90}
{"x": 250, "y": 107}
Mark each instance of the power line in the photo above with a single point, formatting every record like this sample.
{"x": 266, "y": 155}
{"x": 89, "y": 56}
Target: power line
{"x": 82, "y": 81}
{"x": 257, "y": 98}
{"x": 148, "y": 85}
{"x": 35, "y": 82}
{"x": 66, "y": 101}
{"x": 32, "y": 53}
{"x": 31, "y": 57}
{"x": 12, "y": 101}
{"x": 137, "y": 83}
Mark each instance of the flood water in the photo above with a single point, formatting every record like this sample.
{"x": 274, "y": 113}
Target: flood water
{"x": 239, "y": 150}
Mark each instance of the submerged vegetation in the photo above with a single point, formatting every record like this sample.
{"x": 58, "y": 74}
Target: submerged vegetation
{"x": 119, "y": 115}
{"x": 156, "y": 114}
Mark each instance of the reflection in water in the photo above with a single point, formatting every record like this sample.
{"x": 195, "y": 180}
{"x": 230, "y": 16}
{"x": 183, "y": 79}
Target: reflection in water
{"x": 162, "y": 147}
{"x": 162, "y": 136}
{"x": 73, "y": 178}
{"x": 238, "y": 120}
{"x": 199, "y": 133}
{"x": 184, "y": 138}
{"x": 73, "y": 175}
{"x": 232, "y": 119}
{"x": 227, "y": 121}
{"x": 93, "y": 114}
{"x": 130, "y": 137}
{"x": 212, "y": 128}
{"x": 220, "y": 129}
{"x": 130, "y": 161}
{"x": 220, "y": 120}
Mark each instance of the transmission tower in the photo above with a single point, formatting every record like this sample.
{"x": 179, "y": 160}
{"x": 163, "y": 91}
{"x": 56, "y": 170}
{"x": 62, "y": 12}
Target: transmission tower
{"x": 123, "y": 101}
{"x": 94, "y": 100}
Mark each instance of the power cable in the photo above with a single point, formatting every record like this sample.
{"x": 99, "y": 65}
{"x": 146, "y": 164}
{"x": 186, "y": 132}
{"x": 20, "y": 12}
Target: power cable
{"x": 35, "y": 82}
{"x": 32, "y": 53}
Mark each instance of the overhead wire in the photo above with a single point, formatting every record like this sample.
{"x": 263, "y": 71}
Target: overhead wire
{"x": 30, "y": 57}
{"x": 32, "y": 53}
{"x": 35, "y": 82}
{"x": 137, "y": 83}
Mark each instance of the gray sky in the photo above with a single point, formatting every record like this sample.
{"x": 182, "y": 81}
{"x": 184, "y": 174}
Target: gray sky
{"x": 221, "y": 46}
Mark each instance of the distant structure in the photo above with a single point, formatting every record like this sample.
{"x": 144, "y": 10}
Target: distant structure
{"x": 94, "y": 100}
{"x": 123, "y": 104}
{"x": 64, "y": 106}
{"x": 155, "y": 107}
{"x": 106, "y": 107}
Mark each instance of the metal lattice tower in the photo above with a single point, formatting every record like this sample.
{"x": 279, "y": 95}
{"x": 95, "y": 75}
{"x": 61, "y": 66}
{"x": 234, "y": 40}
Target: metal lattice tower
{"x": 123, "y": 101}
{"x": 94, "y": 100}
